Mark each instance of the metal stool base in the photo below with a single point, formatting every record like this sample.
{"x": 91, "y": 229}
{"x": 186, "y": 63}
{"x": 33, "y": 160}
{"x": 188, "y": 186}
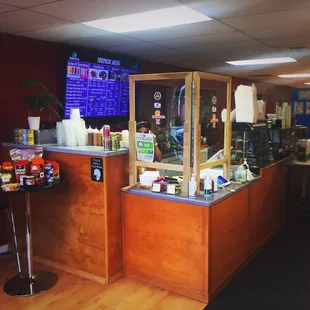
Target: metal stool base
{"x": 22, "y": 286}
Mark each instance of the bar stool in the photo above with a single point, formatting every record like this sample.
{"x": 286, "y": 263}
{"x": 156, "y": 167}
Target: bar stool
{"x": 28, "y": 283}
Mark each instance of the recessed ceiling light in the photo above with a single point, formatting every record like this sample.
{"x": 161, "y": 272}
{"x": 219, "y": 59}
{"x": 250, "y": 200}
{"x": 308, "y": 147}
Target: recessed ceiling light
{"x": 300, "y": 75}
{"x": 264, "y": 61}
{"x": 154, "y": 19}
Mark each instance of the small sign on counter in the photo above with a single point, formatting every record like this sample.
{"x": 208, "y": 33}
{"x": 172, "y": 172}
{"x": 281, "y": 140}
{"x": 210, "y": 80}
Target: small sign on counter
{"x": 96, "y": 169}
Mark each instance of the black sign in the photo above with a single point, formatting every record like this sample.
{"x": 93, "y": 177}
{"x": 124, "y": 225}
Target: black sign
{"x": 96, "y": 169}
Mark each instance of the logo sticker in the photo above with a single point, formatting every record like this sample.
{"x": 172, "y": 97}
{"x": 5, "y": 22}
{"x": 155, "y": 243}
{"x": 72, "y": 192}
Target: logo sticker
{"x": 157, "y": 105}
{"x": 214, "y": 100}
{"x": 157, "y": 96}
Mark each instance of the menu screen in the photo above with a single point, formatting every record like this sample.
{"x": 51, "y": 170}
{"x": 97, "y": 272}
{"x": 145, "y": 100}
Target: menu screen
{"x": 97, "y": 89}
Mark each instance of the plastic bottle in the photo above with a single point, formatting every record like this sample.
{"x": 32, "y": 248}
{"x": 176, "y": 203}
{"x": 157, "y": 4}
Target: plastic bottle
{"x": 192, "y": 185}
{"x": 208, "y": 186}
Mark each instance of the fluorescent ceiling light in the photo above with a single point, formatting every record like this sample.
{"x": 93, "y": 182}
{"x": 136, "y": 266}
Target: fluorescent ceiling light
{"x": 265, "y": 61}
{"x": 307, "y": 83}
{"x": 300, "y": 75}
{"x": 155, "y": 19}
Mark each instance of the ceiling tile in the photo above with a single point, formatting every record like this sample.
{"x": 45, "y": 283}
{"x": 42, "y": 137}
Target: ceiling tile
{"x": 275, "y": 19}
{"x": 87, "y": 10}
{"x": 277, "y": 32}
{"x": 6, "y": 8}
{"x": 26, "y": 3}
{"x": 144, "y": 49}
{"x": 26, "y": 20}
{"x": 181, "y": 31}
{"x": 234, "y": 50}
{"x": 286, "y": 42}
{"x": 64, "y": 33}
{"x": 203, "y": 41}
{"x": 104, "y": 41}
{"x": 235, "y": 8}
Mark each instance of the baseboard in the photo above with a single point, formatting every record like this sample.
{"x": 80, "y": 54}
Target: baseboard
{"x": 181, "y": 290}
{"x": 116, "y": 277}
{"x": 71, "y": 270}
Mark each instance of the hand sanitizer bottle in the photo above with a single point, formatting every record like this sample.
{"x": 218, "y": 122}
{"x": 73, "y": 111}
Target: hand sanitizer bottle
{"x": 208, "y": 186}
{"x": 192, "y": 185}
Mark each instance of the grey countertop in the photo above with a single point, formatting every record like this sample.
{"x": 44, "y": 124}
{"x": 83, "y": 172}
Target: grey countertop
{"x": 292, "y": 161}
{"x": 200, "y": 200}
{"x": 80, "y": 150}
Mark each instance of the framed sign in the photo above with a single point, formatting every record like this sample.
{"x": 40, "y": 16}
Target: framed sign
{"x": 96, "y": 169}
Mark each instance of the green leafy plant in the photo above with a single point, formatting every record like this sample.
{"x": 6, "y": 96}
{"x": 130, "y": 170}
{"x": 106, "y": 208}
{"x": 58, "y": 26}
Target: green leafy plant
{"x": 37, "y": 98}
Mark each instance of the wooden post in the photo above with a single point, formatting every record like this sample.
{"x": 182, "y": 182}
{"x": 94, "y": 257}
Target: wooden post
{"x": 197, "y": 129}
{"x": 227, "y": 135}
{"x": 187, "y": 133}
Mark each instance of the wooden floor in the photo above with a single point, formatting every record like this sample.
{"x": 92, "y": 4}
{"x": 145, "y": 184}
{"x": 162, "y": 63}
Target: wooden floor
{"x": 73, "y": 292}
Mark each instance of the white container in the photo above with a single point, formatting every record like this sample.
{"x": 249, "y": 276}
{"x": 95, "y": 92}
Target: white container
{"x": 208, "y": 186}
{"x": 34, "y": 122}
{"x": 75, "y": 114}
{"x": 192, "y": 185}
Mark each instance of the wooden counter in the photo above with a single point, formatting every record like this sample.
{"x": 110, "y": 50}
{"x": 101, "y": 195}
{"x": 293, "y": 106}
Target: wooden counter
{"x": 195, "y": 250}
{"x": 77, "y": 226}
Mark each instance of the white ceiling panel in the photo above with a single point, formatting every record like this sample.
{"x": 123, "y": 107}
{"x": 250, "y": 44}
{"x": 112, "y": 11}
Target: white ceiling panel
{"x": 182, "y": 31}
{"x": 203, "y": 41}
{"x": 26, "y": 3}
{"x": 235, "y": 8}
{"x": 104, "y": 41}
{"x": 64, "y": 33}
{"x": 275, "y": 19}
{"x": 6, "y": 8}
{"x": 87, "y": 10}
{"x": 26, "y": 20}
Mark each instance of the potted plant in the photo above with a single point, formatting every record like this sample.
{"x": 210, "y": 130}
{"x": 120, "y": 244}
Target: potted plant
{"x": 37, "y": 98}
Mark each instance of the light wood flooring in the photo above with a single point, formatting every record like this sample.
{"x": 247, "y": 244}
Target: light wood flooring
{"x": 73, "y": 292}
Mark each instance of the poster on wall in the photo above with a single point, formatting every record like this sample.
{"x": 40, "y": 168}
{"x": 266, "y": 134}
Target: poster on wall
{"x": 308, "y": 108}
{"x": 304, "y": 95}
{"x": 299, "y": 108}
{"x": 145, "y": 147}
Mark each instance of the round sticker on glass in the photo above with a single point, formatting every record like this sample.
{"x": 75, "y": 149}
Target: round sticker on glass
{"x": 214, "y": 109}
{"x": 214, "y": 100}
{"x": 157, "y": 105}
{"x": 157, "y": 95}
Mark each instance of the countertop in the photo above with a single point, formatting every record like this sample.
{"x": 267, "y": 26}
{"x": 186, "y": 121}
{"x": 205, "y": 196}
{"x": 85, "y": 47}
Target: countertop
{"x": 292, "y": 161}
{"x": 200, "y": 200}
{"x": 80, "y": 150}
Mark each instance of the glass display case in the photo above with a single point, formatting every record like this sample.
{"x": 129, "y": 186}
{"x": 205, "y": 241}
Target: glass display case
{"x": 283, "y": 141}
{"x": 251, "y": 142}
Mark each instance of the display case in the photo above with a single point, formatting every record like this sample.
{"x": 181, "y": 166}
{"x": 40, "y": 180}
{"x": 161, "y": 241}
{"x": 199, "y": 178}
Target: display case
{"x": 251, "y": 142}
{"x": 283, "y": 141}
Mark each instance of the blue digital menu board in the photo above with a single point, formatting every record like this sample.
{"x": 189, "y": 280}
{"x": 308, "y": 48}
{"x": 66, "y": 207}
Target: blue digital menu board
{"x": 98, "y": 89}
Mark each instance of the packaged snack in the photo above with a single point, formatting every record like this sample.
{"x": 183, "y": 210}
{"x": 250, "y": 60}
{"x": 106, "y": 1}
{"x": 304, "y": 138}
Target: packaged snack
{"x": 13, "y": 187}
{"x": 21, "y": 169}
{"x": 56, "y": 172}
{"x": 37, "y": 171}
{"x": 7, "y": 173}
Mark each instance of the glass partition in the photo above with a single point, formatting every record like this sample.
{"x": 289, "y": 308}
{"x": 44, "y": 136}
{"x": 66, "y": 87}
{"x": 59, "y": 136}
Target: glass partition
{"x": 162, "y": 107}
